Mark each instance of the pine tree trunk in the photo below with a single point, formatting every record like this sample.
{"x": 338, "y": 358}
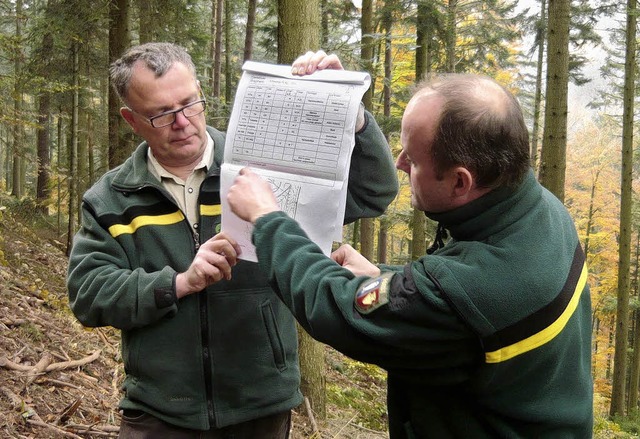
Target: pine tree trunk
{"x": 554, "y": 144}
{"x": 73, "y": 152}
{"x": 451, "y": 36}
{"x": 18, "y": 130}
{"x": 217, "y": 59}
{"x": 537, "y": 103}
{"x": 367, "y": 232}
{"x": 367, "y": 225}
{"x": 248, "y": 38}
{"x": 634, "y": 373}
{"x": 228, "y": 74}
{"x": 298, "y": 28}
{"x": 299, "y": 32}
{"x": 618, "y": 390}
{"x": 118, "y": 41}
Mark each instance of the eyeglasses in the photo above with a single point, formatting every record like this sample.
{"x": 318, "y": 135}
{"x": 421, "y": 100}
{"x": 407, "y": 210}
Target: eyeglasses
{"x": 169, "y": 117}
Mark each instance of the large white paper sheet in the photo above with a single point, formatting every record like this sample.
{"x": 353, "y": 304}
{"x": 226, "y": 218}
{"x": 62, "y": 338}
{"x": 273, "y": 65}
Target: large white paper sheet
{"x": 298, "y": 133}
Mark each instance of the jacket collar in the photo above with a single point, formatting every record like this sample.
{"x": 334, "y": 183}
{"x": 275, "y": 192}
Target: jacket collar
{"x": 493, "y": 211}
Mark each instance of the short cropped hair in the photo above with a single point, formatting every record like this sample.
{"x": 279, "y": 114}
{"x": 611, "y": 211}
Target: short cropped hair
{"x": 157, "y": 57}
{"x": 482, "y": 128}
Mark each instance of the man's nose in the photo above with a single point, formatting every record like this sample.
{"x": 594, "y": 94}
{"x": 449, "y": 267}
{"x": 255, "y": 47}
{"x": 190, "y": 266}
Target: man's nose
{"x": 181, "y": 119}
{"x": 401, "y": 164}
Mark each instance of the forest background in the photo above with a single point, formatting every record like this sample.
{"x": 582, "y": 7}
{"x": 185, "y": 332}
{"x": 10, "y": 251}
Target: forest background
{"x": 60, "y": 129}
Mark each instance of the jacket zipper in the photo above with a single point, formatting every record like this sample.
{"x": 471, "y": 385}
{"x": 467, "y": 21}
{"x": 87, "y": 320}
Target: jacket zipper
{"x": 196, "y": 239}
{"x": 206, "y": 359}
{"x": 207, "y": 354}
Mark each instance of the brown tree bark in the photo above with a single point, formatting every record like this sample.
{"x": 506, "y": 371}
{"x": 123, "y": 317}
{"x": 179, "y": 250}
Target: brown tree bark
{"x": 119, "y": 149}
{"x": 299, "y": 32}
{"x": 554, "y": 144}
{"x": 618, "y": 388}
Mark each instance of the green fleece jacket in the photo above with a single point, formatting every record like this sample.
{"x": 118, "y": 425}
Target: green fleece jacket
{"x": 488, "y": 337}
{"x": 220, "y": 357}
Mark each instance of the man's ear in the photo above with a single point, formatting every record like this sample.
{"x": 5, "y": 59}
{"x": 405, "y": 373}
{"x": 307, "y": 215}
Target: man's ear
{"x": 464, "y": 182}
{"x": 128, "y": 116}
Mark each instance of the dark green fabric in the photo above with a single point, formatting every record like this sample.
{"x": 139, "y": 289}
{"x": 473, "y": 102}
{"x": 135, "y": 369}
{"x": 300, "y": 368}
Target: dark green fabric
{"x": 510, "y": 254}
{"x": 216, "y": 358}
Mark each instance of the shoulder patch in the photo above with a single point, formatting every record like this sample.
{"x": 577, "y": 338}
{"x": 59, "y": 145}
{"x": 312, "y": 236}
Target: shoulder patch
{"x": 373, "y": 293}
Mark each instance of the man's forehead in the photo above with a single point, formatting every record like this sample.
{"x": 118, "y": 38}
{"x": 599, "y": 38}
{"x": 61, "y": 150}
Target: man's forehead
{"x": 173, "y": 84}
{"x": 424, "y": 105}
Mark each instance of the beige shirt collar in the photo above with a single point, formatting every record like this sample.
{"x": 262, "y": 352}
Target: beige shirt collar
{"x": 184, "y": 192}
{"x": 159, "y": 172}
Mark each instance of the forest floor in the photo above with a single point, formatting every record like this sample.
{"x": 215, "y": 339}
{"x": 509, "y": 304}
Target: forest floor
{"x": 60, "y": 380}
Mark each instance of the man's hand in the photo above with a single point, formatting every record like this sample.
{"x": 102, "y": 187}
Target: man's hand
{"x": 311, "y": 61}
{"x": 251, "y": 196}
{"x": 350, "y": 259}
{"x": 212, "y": 263}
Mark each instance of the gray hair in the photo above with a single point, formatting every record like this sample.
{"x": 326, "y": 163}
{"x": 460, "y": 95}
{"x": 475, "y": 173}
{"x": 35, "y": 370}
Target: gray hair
{"x": 157, "y": 57}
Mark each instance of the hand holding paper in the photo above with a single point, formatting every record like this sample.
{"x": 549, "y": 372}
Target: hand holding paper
{"x": 251, "y": 196}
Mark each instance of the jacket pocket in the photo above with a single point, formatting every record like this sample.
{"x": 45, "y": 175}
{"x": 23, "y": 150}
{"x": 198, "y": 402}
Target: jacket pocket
{"x": 273, "y": 333}
{"x": 131, "y": 351}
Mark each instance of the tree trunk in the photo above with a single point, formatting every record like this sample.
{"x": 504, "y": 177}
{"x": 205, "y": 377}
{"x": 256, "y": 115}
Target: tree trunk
{"x": 425, "y": 29}
{"x": 147, "y": 24}
{"x": 383, "y": 238}
{"x": 298, "y": 32}
{"x": 18, "y": 129}
{"x": 634, "y": 374}
{"x": 419, "y": 228}
{"x": 366, "y": 48}
{"x": 298, "y": 28}
{"x": 43, "y": 136}
{"x": 554, "y": 144}
{"x": 73, "y": 152}
{"x": 591, "y": 213}
{"x": 60, "y": 142}
{"x": 367, "y": 226}
{"x": 355, "y": 238}
{"x": 626, "y": 191}
{"x": 541, "y": 37}
{"x": 324, "y": 23}
{"x": 367, "y": 233}
{"x": 217, "y": 60}
{"x": 228, "y": 74}
{"x": 212, "y": 50}
{"x": 388, "y": 67}
{"x": 451, "y": 36}
{"x": 118, "y": 41}
{"x": 42, "y": 139}
{"x": 251, "y": 23}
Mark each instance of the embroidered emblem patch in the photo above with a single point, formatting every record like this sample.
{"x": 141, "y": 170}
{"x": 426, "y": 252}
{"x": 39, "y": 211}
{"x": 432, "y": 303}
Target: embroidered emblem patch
{"x": 373, "y": 294}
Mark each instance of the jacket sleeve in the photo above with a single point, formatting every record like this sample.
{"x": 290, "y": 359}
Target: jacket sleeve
{"x": 414, "y": 331}
{"x": 105, "y": 291}
{"x": 373, "y": 182}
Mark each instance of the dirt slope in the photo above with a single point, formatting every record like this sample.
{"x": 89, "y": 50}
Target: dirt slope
{"x": 58, "y": 379}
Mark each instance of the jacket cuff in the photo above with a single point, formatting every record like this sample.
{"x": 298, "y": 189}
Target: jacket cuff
{"x": 166, "y": 297}
{"x": 366, "y": 116}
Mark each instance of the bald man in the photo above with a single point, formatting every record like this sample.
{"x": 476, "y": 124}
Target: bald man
{"x": 486, "y": 336}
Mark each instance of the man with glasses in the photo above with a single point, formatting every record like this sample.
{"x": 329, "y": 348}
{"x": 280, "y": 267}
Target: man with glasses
{"x": 209, "y": 351}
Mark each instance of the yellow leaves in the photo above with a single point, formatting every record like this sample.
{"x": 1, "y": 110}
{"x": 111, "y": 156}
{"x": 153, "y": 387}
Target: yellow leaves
{"x": 592, "y": 196}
